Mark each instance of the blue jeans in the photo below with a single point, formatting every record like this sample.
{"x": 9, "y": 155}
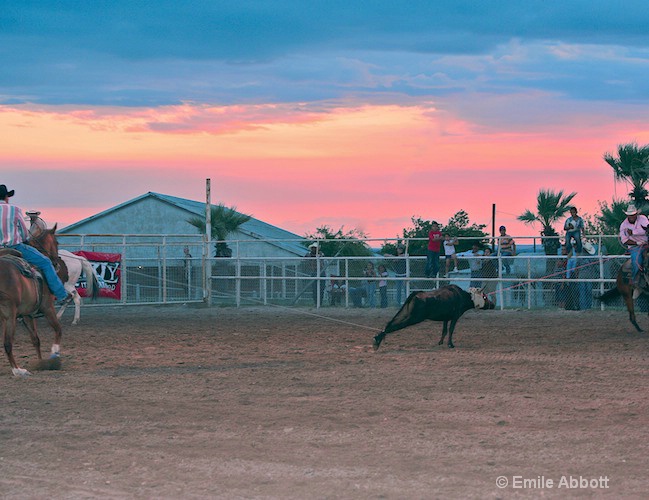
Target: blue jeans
{"x": 44, "y": 265}
{"x": 507, "y": 263}
{"x": 577, "y": 236}
{"x": 636, "y": 260}
{"x": 432, "y": 264}
{"x": 370, "y": 289}
{"x": 400, "y": 286}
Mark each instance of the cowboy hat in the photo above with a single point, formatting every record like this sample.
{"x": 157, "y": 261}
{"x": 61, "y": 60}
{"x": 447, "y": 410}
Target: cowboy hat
{"x": 589, "y": 248}
{"x": 631, "y": 210}
{"x": 5, "y": 193}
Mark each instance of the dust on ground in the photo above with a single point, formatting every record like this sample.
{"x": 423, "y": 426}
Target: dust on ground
{"x": 181, "y": 402}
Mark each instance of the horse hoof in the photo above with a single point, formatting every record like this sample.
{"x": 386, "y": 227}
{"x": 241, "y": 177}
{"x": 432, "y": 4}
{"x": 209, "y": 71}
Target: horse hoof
{"x": 440, "y": 342}
{"x": 20, "y": 372}
{"x": 451, "y": 346}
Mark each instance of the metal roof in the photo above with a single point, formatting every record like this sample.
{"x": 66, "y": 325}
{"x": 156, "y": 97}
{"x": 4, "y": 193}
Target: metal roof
{"x": 254, "y": 228}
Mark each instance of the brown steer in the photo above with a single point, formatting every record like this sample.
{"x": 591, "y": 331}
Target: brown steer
{"x": 445, "y": 304}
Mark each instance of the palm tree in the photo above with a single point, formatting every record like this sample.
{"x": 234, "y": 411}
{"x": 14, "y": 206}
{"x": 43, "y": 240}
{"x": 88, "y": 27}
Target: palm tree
{"x": 224, "y": 221}
{"x": 632, "y": 165}
{"x": 550, "y": 207}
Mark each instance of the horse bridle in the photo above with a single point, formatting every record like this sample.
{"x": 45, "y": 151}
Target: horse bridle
{"x": 36, "y": 243}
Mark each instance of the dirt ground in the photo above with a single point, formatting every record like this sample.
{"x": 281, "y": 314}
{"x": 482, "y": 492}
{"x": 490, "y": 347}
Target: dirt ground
{"x": 181, "y": 402}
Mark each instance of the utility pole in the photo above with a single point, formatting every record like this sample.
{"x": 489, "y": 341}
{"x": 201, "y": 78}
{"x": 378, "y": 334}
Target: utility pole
{"x": 208, "y": 244}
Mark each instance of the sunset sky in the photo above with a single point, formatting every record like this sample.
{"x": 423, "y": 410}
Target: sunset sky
{"x": 305, "y": 113}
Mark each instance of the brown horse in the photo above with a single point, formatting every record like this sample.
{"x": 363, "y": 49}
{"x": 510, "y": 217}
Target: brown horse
{"x": 25, "y": 295}
{"x": 624, "y": 288}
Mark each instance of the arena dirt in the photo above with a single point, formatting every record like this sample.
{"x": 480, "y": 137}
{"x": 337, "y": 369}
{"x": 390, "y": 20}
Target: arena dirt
{"x": 182, "y": 402}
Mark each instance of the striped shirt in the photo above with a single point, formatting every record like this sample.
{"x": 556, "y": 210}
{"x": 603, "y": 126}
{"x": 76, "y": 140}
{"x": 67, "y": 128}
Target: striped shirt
{"x": 13, "y": 229}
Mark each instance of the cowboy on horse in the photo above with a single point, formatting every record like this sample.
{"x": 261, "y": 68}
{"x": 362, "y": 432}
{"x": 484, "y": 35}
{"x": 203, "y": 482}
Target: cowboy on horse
{"x": 14, "y": 234}
{"x": 633, "y": 235}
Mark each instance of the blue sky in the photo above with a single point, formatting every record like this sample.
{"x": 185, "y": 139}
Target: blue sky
{"x": 477, "y": 69}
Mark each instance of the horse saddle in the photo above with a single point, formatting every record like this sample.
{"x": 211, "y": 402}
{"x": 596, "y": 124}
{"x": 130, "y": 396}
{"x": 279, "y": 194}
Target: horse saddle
{"x": 627, "y": 275}
{"x": 15, "y": 257}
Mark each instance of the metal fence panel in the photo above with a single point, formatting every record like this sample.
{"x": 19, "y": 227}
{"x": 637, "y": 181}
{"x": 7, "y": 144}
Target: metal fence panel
{"x": 159, "y": 269}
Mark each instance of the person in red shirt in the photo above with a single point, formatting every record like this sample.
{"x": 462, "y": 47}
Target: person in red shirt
{"x": 432, "y": 254}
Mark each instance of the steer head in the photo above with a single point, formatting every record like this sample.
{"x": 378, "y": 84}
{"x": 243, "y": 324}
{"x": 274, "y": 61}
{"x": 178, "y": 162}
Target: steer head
{"x": 480, "y": 300}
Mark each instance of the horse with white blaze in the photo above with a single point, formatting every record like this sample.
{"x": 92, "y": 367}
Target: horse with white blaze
{"x": 445, "y": 304}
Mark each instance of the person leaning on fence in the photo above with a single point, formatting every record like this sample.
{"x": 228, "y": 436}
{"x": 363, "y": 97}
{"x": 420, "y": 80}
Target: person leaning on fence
{"x": 574, "y": 226}
{"x": 14, "y": 234}
{"x": 633, "y": 235}
{"x": 506, "y": 248}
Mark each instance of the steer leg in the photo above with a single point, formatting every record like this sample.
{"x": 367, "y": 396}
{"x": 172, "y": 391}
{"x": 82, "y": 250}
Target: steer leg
{"x": 451, "y": 345}
{"x": 444, "y": 330}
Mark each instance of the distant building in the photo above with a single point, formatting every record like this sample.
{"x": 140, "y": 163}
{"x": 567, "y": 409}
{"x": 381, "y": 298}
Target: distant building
{"x": 160, "y": 214}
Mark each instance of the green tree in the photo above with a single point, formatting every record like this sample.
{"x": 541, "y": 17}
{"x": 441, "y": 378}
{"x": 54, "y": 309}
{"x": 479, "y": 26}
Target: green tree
{"x": 459, "y": 225}
{"x": 631, "y": 164}
{"x": 608, "y": 222}
{"x": 224, "y": 221}
{"x": 340, "y": 243}
{"x": 550, "y": 207}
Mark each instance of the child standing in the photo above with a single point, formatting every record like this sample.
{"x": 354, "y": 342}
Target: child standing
{"x": 449, "y": 251}
{"x": 383, "y": 286}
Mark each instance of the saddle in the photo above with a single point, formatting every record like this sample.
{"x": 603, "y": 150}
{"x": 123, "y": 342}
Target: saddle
{"x": 643, "y": 277}
{"x": 15, "y": 257}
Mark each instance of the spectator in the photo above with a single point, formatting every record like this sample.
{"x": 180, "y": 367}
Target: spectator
{"x": 383, "y": 286}
{"x": 432, "y": 254}
{"x": 399, "y": 266}
{"x": 490, "y": 270}
{"x": 450, "y": 252}
{"x": 337, "y": 292}
{"x": 574, "y": 226}
{"x": 370, "y": 284}
{"x": 506, "y": 248}
{"x": 475, "y": 264}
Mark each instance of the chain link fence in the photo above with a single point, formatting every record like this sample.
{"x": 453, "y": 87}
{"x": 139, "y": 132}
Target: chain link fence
{"x": 155, "y": 269}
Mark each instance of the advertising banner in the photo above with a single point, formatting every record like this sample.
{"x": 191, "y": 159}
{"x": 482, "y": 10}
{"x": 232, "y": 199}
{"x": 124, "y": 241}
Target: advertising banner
{"x": 107, "y": 267}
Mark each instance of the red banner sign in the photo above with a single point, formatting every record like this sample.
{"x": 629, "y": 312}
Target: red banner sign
{"x": 108, "y": 269}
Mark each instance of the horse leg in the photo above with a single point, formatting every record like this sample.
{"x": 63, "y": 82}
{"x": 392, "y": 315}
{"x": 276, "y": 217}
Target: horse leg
{"x": 451, "y": 345}
{"x": 8, "y": 333}
{"x": 628, "y": 300}
{"x": 77, "y": 306}
{"x": 53, "y": 320}
{"x": 30, "y": 324}
{"x": 444, "y": 330}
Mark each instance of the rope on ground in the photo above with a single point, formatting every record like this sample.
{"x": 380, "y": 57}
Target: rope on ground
{"x": 306, "y": 313}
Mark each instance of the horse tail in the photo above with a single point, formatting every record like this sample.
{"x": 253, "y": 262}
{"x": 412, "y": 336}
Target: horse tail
{"x": 92, "y": 283}
{"x": 609, "y": 295}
